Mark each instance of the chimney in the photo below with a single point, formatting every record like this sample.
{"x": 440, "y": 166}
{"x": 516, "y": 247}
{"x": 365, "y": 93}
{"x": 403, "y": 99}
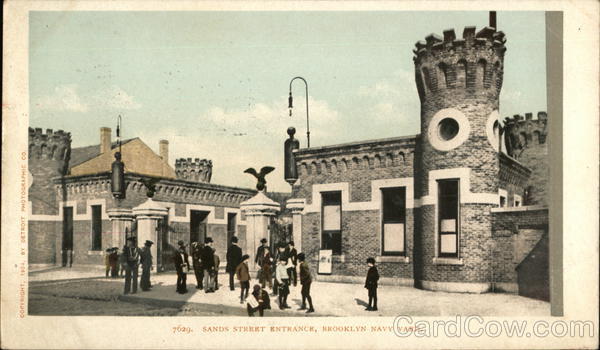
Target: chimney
{"x": 163, "y": 150}
{"x": 493, "y": 19}
{"x": 105, "y": 140}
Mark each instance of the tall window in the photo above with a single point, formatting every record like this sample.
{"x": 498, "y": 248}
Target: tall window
{"x": 96, "y": 227}
{"x": 331, "y": 215}
{"x": 448, "y": 214}
{"x": 393, "y": 220}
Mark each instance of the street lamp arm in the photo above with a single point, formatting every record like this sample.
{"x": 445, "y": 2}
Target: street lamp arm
{"x": 290, "y": 106}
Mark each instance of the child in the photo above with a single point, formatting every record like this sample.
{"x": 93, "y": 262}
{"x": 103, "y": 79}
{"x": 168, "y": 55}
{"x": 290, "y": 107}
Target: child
{"x": 107, "y": 260}
{"x": 258, "y": 302}
{"x": 371, "y": 284}
{"x": 305, "y": 281}
{"x": 282, "y": 278}
{"x": 243, "y": 276}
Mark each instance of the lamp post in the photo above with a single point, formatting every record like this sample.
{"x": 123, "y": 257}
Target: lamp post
{"x": 290, "y": 106}
{"x": 117, "y": 182}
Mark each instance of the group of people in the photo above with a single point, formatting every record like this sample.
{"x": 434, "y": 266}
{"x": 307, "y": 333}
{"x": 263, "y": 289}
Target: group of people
{"x": 205, "y": 264}
{"x": 127, "y": 261}
{"x": 285, "y": 263}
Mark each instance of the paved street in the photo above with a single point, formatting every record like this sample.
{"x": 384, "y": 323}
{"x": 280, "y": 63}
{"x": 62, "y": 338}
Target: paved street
{"x": 84, "y": 291}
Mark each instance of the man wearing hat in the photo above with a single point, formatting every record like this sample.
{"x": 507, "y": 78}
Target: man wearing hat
{"x": 146, "y": 261}
{"x": 208, "y": 265}
{"x": 131, "y": 258}
{"x": 234, "y": 258}
{"x": 260, "y": 252}
{"x": 182, "y": 266}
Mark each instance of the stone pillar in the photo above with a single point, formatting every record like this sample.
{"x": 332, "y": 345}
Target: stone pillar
{"x": 296, "y": 205}
{"x": 147, "y": 215}
{"x": 258, "y": 210}
{"x": 121, "y": 220}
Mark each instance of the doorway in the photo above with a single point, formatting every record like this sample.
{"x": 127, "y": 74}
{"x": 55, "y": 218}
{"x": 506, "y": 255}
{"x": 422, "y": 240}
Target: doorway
{"x": 198, "y": 225}
{"x": 67, "y": 241}
{"x": 231, "y": 226}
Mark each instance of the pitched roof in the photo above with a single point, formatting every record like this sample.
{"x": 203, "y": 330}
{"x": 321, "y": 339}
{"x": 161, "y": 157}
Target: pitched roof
{"x": 83, "y": 154}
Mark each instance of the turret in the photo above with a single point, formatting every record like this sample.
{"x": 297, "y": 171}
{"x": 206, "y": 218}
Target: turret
{"x": 49, "y": 155}
{"x": 456, "y": 157}
{"x": 197, "y": 170}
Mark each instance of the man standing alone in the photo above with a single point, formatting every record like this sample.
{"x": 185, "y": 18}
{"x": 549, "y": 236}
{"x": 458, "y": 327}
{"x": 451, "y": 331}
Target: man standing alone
{"x": 146, "y": 260}
{"x": 208, "y": 265}
{"x": 234, "y": 258}
{"x": 131, "y": 258}
{"x": 305, "y": 281}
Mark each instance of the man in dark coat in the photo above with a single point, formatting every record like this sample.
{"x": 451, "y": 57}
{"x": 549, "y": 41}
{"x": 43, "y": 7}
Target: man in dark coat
{"x": 113, "y": 260}
{"x": 146, "y": 261}
{"x": 305, "y": 281}
{"x": 207, "y": 258}
{"x": 260, "y": 252}
{"x": 371, "y": 284}
{"x": 234, "y": 258}
{"x": 292, "y": 254}
{"x": 197, "y": 263}
{"x": 131, "y": 258}
{"x": 182, "y": 266}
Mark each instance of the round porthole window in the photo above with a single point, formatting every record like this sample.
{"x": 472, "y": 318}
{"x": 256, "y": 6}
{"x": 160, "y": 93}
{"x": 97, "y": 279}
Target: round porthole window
{"x": 448, "y": 129}
{"x": 492, "y": 129}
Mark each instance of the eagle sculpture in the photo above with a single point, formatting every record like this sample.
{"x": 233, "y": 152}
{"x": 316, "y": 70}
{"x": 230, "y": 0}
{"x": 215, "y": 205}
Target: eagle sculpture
{"x": 150, "y": 186}
{"x": 261, "y": 183}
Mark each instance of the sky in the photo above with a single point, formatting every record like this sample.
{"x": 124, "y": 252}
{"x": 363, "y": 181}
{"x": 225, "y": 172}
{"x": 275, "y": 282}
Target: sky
{"x": 215, "y": 84}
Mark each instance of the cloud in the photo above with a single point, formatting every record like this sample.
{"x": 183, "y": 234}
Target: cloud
{"x": 68, "y": 98}
{"x": 64, "y": 98}
{"x": 238, "y": 138}
{"x": 115, "y": 98}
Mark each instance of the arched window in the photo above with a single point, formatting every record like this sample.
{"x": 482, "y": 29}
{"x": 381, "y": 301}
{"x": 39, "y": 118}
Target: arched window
{"x": 443, "y": 76}
{"x": 481, "y": 73}
{"x": 461, "y": 73}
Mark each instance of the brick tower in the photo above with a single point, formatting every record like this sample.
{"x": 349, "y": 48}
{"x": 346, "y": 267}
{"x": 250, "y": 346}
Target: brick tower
{"x": 456, "y": 160}
{"x": 525, "y": 140}
{"x": 197, "y": 170}
{"x": 48, "y": 159}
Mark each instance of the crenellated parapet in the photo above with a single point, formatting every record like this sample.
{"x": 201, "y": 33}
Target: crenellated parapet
{"x": 166, "y": 189}
{"x": 53, "y": 145}
{"x": 521, "y": 132}
{"x": 359, "y": 156}
{"x": 473, "y": 63}
{"x": 198, "y": 170}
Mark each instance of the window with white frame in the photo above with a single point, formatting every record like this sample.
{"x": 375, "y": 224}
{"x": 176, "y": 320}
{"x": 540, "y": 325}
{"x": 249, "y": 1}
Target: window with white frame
{"x": 503, "y": 196}
{"x": 331, "y": 221}
{"x": 393, "y": 227}
{"x": 518, "y": 201}
{"x": 448, "y": 218}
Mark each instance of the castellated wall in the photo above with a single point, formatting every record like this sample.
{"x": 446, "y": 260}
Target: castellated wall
{"x": 356, "y": 166}
{"x": 81, "y": 192}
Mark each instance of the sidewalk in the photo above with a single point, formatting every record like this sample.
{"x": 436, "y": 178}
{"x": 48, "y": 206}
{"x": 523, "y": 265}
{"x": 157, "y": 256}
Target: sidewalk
{"x": 330, "y": 299}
